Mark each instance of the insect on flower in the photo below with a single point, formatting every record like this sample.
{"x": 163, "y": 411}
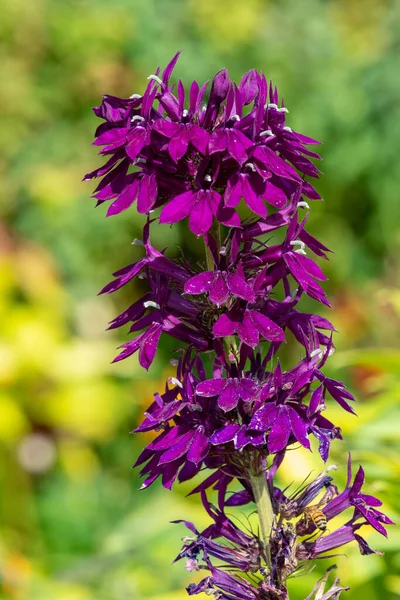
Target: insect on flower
{"x": 314, "y": 514}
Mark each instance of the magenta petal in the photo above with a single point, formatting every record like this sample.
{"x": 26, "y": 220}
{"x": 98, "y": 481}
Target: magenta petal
{"x": 299, "y": 428}
{"x": 224, "y": 435}
{"x": 218, "y": 141}
{"x": 311, "y": 267}
{"x": 316, "y": 400}
{"x": 248, "y": 390}
{"x": 235, "y": 146}
{"x": 201, "y": 215}
{"x": 178, "y": 208}
{"x": 225, "y": 326}
{"x": 219, "y": 292}
{"x": 199, "y": 448}
{"x": 238, "y": 287}
{"x": 275, "y": 196}
{"x": 148, "y": 349}
{"x": 280, "y": 432}
{"x": 170, "y": 473}
{"x": 167, "y": 128}
{"x": 147, "y": 194}
{"x": 210, "y": 387}
{"x": 136, "y": 142}
{"x": 178, "y": 450}
{"x": 264, "y": 418}
{"x": 247, "y": 332}
{"x": 166, "y": 439}
{"x": 199, "y": 138}
{"x": 179, "y": 144}
{"x": 268, "y": 329}
{"x": 115, "y": 137}
{"x": 229, "y": 398}
{"x": 254, "y": 202}
{"x": 199, "y": 284}
{"x": 228, "y": 217}
{"x": 358, "y": 482}
{"x": 233, "y": 192}
{"x": 125, "y": 200}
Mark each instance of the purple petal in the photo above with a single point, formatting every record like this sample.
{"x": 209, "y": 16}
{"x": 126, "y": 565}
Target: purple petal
{"x": 199, "y": 138}
{"x": 199, "y": 448}
{"x": 275, "y": 196}
{"x": 218, "y": 141}
{"x": 178, "y": 208}
{"x": 179, "y": 144}
{"x": 147, "y": 194}
{"x": 253, "y": 201}
{"x": 238, "y": 287}
{"x": 280, "y": 432}
{"x": 358, "y": 482}
{"x": 219, "y": 292}
{"x": 224, "y": 435}
{"x": 167, "y": 128}
{"x": 264, "y": 418}
{"x": 299, "y": 428}
{"x": 236, "y": 145}
{"x": 136, "y": 142}
{"x": 248, "y": 390}
{"x": 148, "y": 348}
{"x": 249, "y": 86}
{"x": 228, "y": 217}
{"x": 199, "y": 284}
{"x": 211, "y": 387}
{"x": 233, "y": 192}
{"x": 178, "y": 450}
{"x": 229, "y": 397}
{"x": 166, "y": 74}
{"x": 169, "y": 474}
{"x": 201, "y": 215}
{"x": 311, "y": 267}
{"x": 247, "y": 331}
{"x": 268, "y": 329}
{"x": 316, "y": 401}
{"x": 125, "y": 200}
{"x": 225, "y": 326}
{"x": 114, "y": 137}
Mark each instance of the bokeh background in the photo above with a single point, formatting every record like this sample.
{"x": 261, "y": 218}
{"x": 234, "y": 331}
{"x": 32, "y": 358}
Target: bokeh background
{"x": 73, "y": 524}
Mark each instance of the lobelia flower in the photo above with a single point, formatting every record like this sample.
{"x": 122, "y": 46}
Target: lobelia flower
{"x": 231, "y": 411}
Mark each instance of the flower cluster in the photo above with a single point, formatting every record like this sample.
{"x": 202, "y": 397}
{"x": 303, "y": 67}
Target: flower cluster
{"x": 237, "y": 172}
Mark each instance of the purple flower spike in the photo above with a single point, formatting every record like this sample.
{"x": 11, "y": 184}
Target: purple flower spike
{"x": 234, "y": 404}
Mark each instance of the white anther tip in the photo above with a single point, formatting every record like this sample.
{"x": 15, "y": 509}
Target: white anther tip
{"x": 155, "y": 78}
{"x": 303, "y": 204}
{"x": 137, "y": 118}
{"x": 174, "y": 381}
{"x": 267, "y": 132}
{"x": 151, "y": 304}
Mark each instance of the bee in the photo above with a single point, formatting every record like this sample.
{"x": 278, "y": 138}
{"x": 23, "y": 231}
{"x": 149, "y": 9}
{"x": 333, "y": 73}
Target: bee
{"x": 314, "y": 514}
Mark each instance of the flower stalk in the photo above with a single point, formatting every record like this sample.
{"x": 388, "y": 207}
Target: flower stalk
{"x": 265, "y": 512}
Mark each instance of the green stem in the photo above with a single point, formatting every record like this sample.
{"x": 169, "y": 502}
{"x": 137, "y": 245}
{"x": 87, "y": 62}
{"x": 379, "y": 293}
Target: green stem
{"x": 265, "y": 511}
{"x": 216, "y": 233}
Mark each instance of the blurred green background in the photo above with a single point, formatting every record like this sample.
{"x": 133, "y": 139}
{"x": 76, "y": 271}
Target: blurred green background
{"x": 73, "y": 524}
